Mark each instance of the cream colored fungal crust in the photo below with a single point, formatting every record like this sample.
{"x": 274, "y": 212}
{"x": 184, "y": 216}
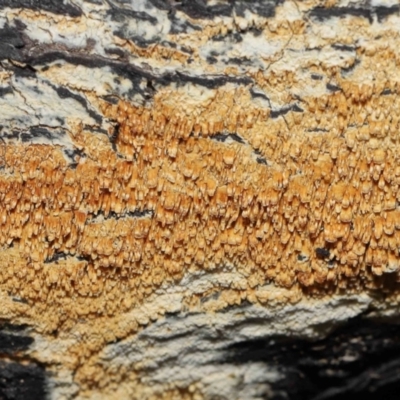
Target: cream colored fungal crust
{"x": 280, "y": 188}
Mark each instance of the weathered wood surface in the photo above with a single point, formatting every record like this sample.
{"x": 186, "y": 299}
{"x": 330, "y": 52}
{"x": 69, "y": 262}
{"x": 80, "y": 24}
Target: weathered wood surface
{"x": 182, "y": 182}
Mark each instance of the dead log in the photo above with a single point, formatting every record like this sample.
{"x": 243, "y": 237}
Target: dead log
{"x": 195, "y": 194}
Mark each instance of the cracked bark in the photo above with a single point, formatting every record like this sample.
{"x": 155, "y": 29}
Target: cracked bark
{"x": 199, "y": 199}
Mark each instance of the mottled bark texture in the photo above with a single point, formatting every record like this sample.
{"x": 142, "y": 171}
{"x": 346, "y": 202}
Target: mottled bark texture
{"x": 199, "y": 199}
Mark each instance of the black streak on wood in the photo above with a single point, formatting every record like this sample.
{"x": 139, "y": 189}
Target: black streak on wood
{"x": 56, "y": 257}
{"x": 333, "y": 88}
{"x": 322, "y": 13}
{"x": 316, "y": 77}
{"x": 343, "y": 47}
{"x": 52, "y": 6}
{"x": 255, "y": 94}
{"x": 381, "y": 12}
{"x": 350, "y": 68}
{"x": 284, "y": 110}
{"x": 114, "y": 137}
{"x": 5, "y": 90}
{"x": 120, "y": 14}
{"x": 321, "y": 253}
{"x": 136, "y": 74}
{"x": 65, "y": 93}
{"x": 36, "y": 132}
{"x": 220, "y": 137}
{"x": 200, "y": 9}
{"x": 127, "y": 214}
{"x": 10, "y": 343}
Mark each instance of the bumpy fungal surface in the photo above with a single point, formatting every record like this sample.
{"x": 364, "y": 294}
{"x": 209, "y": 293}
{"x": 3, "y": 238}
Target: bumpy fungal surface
{"x": 179, "y": 177}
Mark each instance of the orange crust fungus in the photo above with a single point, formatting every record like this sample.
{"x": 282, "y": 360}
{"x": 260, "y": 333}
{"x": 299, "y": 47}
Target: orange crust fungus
{"x": 282, "y": 168}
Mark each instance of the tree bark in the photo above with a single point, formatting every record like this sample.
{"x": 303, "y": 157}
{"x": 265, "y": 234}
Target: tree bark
{"x": 199, "y": 199}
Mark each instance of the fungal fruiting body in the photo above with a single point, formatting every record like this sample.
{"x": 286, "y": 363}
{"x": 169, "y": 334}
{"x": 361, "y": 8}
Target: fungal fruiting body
{"x": 254, "y": 154}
